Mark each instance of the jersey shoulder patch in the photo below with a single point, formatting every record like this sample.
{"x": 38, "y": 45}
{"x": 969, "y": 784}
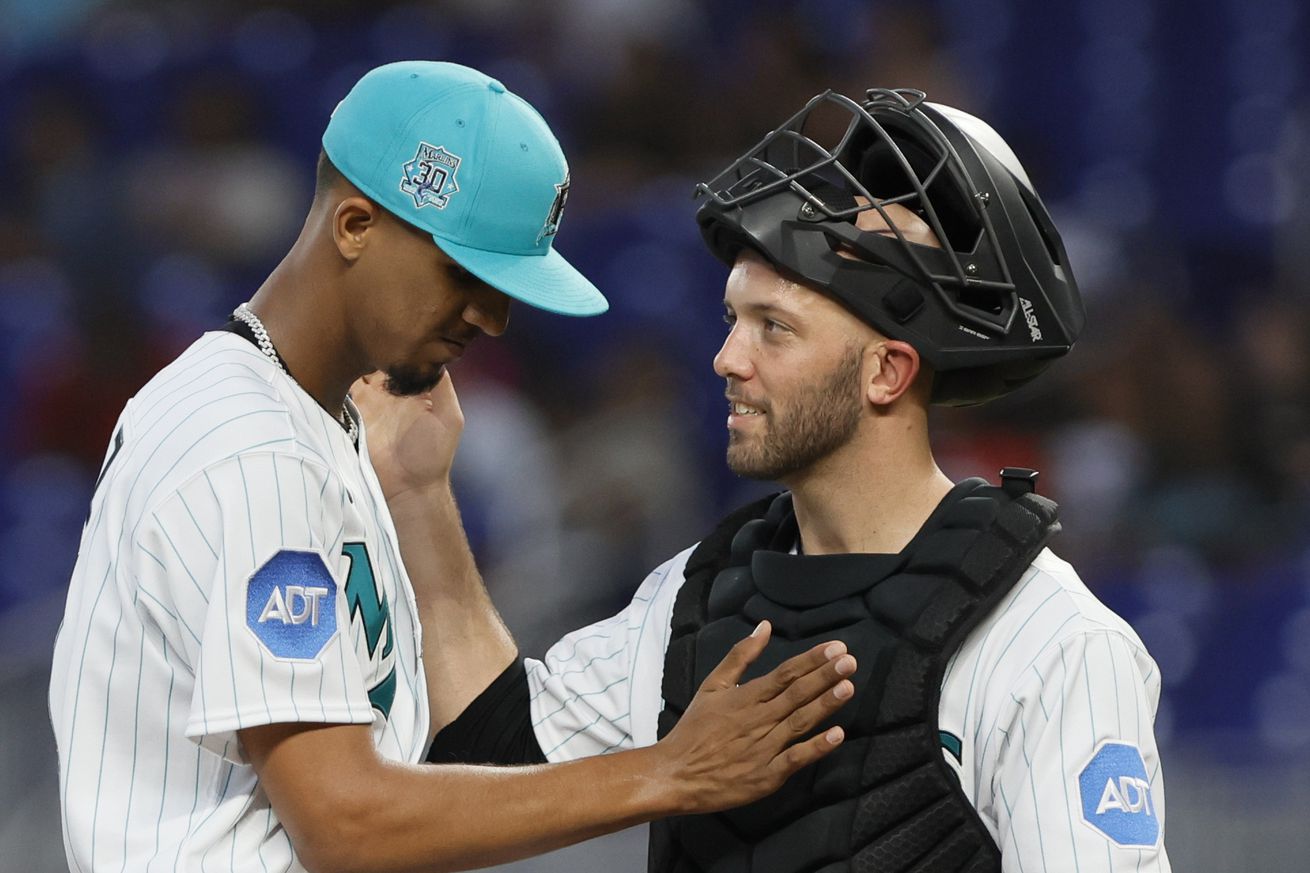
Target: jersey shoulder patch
{"x": 291, "y": 605}
{"x": 1116, "y": 795}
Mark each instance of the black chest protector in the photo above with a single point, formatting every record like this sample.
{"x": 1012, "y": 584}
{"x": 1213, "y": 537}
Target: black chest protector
{"x": 885, "y": 801}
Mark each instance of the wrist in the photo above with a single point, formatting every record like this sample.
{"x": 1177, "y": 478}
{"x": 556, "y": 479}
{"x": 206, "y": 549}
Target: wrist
{"x": 664, "y": 794}
{"x": 421, "y": 500}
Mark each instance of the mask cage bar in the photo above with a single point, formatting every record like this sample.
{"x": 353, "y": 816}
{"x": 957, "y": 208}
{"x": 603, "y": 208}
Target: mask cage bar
{"x": 726, "y": 188}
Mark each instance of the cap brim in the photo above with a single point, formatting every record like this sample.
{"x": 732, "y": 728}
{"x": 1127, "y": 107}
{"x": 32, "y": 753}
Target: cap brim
{"x": 545, "y": 281}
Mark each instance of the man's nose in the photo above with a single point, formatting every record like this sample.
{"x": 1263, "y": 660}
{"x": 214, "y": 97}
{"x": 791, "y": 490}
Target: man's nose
{"x": 733, "y": 359}
{"x": 488, "y": 311}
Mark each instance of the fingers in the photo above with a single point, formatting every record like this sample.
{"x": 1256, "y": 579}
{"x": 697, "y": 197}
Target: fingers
{"x": 826, "y": 686}
{"x": 367, "y": 382}
{"x": 788, "y": 672}
{"x": 369, "y": 393}
{"x": 739, "y": 657}
{"x": 804, "y": 754}
{"x": 813, "y": 700}
{"x": 443, "y": 400}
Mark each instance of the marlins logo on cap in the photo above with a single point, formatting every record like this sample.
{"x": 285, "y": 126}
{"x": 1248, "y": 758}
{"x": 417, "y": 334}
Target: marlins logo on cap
{"x": 556, "y": 214}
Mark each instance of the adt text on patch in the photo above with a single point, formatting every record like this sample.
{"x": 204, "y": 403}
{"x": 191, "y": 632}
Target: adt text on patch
{"x": 300, "y": 605}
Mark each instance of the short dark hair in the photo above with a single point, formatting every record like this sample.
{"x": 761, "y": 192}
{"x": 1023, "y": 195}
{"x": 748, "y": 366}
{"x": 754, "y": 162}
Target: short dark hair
{"x": 327, "y": 174}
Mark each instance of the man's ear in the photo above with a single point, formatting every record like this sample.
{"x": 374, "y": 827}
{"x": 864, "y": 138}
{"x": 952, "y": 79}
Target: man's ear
{"x": 353, "y": 218}
{"x": 891, "y": 369}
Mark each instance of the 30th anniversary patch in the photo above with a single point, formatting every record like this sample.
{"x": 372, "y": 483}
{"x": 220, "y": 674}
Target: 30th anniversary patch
{"x": 430, "y": 176}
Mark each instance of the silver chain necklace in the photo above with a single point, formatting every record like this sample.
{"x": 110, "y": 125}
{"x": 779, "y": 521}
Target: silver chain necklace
{"x": 244, "y": 314}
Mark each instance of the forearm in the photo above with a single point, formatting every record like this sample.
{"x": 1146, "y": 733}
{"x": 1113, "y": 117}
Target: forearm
{"x": 495, "y": 815}
{"x": 465, "y": 643}
{"x": 346, "y": 808}
{"x": 379, "y": 815}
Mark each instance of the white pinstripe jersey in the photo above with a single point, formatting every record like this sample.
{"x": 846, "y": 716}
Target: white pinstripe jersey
{"x": 182, "y": 626}
{"x": 1051, "y": 700}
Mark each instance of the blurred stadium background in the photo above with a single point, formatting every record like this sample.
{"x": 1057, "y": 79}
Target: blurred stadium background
{"x": 156, "y": 159}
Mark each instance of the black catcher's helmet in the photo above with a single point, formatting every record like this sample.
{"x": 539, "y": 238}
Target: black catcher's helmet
{"x": 988, "y": 311}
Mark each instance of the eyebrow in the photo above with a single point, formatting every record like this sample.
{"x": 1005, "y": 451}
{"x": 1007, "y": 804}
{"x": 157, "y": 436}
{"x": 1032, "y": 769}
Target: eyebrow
{"x": 764, "y": 309}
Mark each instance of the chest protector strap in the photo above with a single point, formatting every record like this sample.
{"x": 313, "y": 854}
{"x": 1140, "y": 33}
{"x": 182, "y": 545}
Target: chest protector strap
{"x": 885, "y": 800}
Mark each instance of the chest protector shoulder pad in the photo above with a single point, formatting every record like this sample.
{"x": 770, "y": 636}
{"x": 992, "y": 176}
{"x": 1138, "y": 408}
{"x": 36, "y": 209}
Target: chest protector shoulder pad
{"x": 885, "y": 801}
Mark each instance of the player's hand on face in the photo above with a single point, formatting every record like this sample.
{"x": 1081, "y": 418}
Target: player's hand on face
{"x": 738, "y": 743}
{"x": 411, "y": 440}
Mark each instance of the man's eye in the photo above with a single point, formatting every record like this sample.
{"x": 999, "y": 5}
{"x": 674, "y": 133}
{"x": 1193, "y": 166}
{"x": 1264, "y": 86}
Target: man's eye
{"x": 771, "y": 326}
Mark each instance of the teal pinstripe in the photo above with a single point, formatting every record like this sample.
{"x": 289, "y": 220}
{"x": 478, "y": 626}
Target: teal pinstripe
{"x": 136, "y": 735}
{"x": 181, "y": 560}
{"x": 636, "y": 652}
{"x": 168, "y": 735}
{"x": 195, "y": 803}
{"x": 576, "y": 697}
{"x": 1032, "y": 784}
{"x": 104, "y": 736}
{"x": 982, "y": 753}
{"x": 1009, "y": 814}
{"x": 254, "y": 562}
{"x": 1064, "y": 767}
{"x": 199, "y": 530}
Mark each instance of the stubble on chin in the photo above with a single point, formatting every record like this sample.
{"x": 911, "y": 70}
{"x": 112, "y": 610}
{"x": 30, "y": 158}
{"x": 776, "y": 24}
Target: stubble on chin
{"x": 412, "y": 381}
{"x": 746, "y": 458}
{"x": 795, "y": 437}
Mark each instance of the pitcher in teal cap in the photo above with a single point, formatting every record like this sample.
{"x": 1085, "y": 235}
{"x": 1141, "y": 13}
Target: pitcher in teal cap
{"x": 242, "y": 678}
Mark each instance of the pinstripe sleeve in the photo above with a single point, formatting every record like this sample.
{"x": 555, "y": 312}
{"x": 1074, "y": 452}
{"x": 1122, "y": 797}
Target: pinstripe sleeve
{"x": 1077, "y": 784}
{"x": 598, "y": 689}
{"x": 243, "y": 570}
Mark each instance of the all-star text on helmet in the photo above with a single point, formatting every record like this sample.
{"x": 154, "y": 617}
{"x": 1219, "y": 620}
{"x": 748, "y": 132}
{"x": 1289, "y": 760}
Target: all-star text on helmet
{"x": 988, "y": 311}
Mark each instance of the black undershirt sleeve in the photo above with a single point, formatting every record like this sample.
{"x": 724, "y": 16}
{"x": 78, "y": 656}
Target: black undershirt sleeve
{"x": 496, "y": 728}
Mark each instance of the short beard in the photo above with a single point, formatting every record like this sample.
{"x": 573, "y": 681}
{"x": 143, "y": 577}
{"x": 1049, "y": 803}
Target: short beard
{"x": 406, "y": 381}
{"x": 821, "y": 421}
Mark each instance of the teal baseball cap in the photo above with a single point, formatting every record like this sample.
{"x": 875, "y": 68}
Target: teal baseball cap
{"x": 452, "y": 152}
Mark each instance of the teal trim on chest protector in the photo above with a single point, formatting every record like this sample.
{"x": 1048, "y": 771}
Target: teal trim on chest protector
{"x": 951, "y": 743}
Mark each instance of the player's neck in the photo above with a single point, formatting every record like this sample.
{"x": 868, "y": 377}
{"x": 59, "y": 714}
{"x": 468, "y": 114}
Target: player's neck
{"x": 308, "y": 328}
{"x": 871, "y": 497}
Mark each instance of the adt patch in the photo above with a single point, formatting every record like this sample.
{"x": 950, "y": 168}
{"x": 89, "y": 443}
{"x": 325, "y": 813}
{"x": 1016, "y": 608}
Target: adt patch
{"x": 291, "y": 605}
{"x": 1116, "y": 796}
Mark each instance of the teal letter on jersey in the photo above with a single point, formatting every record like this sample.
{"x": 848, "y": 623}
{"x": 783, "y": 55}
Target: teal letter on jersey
{"x": 290, "y": 605}
{"x": 366, "y": 604}
{"x": 364, "y": 598}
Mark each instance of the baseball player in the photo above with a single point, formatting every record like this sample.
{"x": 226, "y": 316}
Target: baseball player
{"x": 241, "y": 679}
{"x": 1003, "y": 717}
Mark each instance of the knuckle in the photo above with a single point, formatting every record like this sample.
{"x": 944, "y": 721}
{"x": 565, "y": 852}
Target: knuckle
{"x": 787, "y": 673}
{"x": 797, "y": 723}
{"x": 796, "y": 696}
